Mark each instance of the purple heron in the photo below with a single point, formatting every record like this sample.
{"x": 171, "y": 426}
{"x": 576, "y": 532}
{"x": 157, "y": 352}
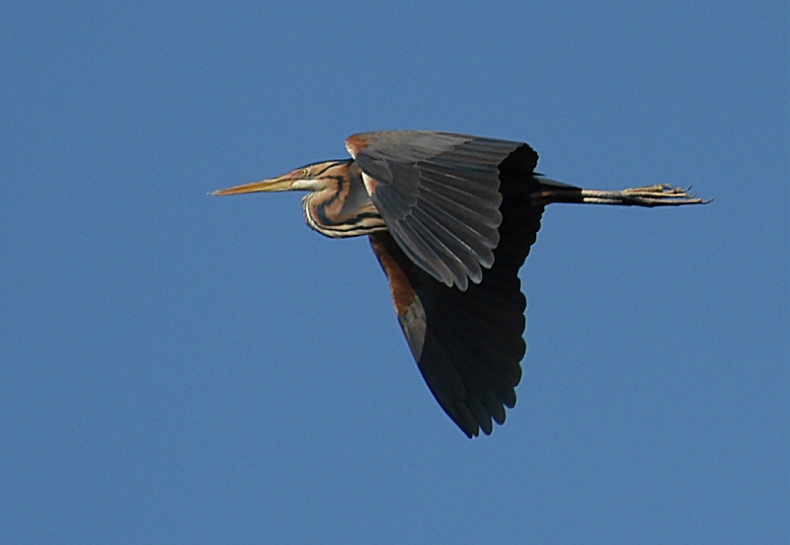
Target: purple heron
{"x": 451, "y": 219}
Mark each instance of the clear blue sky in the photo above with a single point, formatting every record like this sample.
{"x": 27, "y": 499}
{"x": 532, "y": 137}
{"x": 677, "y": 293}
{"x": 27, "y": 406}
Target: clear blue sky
{"x": 176, "y": 368}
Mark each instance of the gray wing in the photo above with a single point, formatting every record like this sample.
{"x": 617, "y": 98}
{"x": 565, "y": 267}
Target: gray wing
{"x": 439, "y": 195}
{"x": 468, "y": 344}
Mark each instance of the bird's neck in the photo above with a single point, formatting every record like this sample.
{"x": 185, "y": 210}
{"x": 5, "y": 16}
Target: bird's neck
{"x": 343, "y": 208}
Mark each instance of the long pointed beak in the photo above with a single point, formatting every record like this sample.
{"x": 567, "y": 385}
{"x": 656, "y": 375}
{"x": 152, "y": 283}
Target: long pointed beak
{"x": 281, "y": 183}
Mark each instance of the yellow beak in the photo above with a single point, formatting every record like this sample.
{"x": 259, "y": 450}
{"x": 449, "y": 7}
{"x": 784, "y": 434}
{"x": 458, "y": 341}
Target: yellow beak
{"x": 281, "y": 183}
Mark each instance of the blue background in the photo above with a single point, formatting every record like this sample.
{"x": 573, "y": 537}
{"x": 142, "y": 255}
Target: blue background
{"x": 176, "y": 368}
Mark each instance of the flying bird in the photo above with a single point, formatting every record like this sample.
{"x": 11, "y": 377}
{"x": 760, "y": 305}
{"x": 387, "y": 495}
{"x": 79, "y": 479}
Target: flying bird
{"x": 451, "y": 219}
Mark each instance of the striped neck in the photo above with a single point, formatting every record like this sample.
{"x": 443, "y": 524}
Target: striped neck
{"x": 343, "y": 208}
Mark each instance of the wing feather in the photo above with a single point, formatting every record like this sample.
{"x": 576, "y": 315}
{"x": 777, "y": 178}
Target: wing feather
{"x": 468, "y": 344}
{"x": 420, "y": 180}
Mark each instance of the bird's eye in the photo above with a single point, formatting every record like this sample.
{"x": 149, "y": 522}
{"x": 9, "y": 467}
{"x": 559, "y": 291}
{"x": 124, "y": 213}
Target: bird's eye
{"x": 304, "y": 173}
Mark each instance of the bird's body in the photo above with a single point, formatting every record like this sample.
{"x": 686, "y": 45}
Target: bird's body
{"x": 451, "y": 219}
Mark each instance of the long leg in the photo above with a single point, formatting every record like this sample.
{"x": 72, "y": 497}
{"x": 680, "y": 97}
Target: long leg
{"x": 649, "y": 196}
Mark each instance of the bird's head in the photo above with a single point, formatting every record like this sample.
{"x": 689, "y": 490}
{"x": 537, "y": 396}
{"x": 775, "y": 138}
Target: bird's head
{"x": 336, "y": 205}
{"x": 315, "y": 177}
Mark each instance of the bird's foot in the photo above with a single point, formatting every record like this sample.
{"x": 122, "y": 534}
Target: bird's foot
{"x": 650, "y": 196}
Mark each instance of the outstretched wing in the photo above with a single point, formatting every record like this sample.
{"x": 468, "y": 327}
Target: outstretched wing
{"x": 468, "y": 344}
{"x": 439, "y": 195}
